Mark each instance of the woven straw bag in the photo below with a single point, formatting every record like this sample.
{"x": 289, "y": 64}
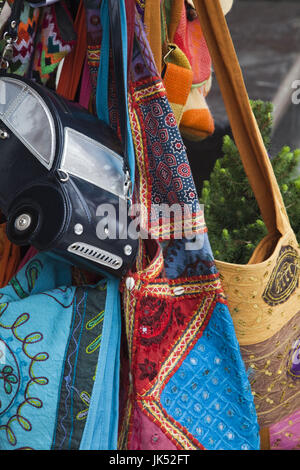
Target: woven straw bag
{"x": 263, "y": 295}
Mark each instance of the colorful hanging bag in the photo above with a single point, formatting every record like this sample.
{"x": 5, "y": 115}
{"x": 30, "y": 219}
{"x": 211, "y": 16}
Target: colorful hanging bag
{"x": 264, "y": 295}
{"x": 187, "y": 387}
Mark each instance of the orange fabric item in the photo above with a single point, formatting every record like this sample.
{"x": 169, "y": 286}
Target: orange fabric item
{"x": 190, "y": 39}
{"x": 178, "y": 82}
{"x": 177, "y": 78}
{"x": 74, "y": 62}
{"x": 188, "y": 36}
{"x": 9, "y": 258}
{"x": 191, "y": 120}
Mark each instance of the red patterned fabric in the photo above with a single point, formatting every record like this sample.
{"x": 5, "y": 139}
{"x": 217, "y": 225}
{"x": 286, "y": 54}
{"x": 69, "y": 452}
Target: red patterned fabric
{"x": 164, "y": 319}
{"x": 190, "y": 39}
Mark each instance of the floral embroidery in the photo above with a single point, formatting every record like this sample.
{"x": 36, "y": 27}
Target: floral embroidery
{"x": 6, "y": 374}
{"x": 179, "y": 316}
{"x": 148, "y": 369}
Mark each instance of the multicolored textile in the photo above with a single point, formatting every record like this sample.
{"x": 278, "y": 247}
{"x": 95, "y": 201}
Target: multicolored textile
{"x": 45, "y": 37}
{"x": 51, "y": 355}
{"x": 159, "y": 150}
{"x": 164, "y": 172}
{"x": 53, "y": 45}
{"x": 104, "y": 414}
{"x": 24, "y": 46}
{"x": 188, "y": 385}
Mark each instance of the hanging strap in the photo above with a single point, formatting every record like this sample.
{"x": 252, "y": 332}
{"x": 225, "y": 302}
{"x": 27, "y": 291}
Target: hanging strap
{"x": 119, "y": 42}
{"x": 152, "y": 21}
{"x": 113, "y": 20}
{"x": 74, "y": 62}
{"x": 245, "y": 130}
{"x": 175, "y": 15}
{"x": 117, "y": 54}
{"x": 101, "y": 427}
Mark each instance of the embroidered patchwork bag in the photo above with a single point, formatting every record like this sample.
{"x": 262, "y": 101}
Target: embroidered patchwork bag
{"x": 264, "y": 295}
{"x": 186, "y": 383}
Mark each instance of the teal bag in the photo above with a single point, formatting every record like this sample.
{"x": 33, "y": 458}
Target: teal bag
{"x": 56, "y": 370}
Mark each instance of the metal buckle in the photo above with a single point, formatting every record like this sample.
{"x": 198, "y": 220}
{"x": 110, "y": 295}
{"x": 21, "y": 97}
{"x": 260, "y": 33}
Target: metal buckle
{"x": 8, "y": 51}
{"x": 171, "y": 48}
{"x": 63, "y": 176}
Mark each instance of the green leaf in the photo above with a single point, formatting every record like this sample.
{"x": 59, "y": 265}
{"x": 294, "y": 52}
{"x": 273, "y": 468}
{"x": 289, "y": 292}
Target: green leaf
{"x": 7, "y": 388}
{"x": 7, "y": 370}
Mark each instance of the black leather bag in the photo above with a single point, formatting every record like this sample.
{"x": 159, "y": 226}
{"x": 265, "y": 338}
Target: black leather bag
{"x": 64, "y": 177}
{"x": 39, "y": 3}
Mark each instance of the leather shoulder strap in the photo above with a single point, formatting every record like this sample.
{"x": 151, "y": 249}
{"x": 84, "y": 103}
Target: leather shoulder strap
{"x": 117, "y": 54}
{"x": 121, "y": 38}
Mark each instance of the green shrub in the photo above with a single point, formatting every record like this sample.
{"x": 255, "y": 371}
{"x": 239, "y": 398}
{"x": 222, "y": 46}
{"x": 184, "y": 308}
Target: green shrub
{"x": 231, "y": 212}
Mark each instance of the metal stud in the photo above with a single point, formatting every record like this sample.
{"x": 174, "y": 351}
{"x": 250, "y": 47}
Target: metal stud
{"x": 178, "y": 290}
{"x": 3, "y": 134}
{"x": 128, "y": 250}
{"x": 23, "y": 222}
{"x": 130, "y": 283}
{"x": 78, "y": 229}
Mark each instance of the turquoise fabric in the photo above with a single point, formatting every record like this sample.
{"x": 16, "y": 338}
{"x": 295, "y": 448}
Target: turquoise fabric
{"x": 59, "y": 360}
{"x": 131, "y": 156}
{"x": 210, "y": 393}
{"x": 101, "y": 430}
{"x": 35, "y": 317}
{"x": 103, "y": 77}
{"x": 103, "y": 72}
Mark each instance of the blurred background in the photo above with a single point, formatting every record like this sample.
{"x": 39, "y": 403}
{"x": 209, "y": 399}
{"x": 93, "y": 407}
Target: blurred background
{"x": 266, "y": 36}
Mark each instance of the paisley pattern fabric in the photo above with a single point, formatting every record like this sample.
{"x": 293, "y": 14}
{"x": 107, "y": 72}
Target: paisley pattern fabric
{"x": 169, "y": 170}
{"x": 160, "y": 153}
